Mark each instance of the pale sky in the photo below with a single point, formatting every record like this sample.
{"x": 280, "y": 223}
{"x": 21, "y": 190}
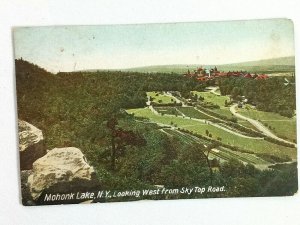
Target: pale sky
{"x": 68, "y": 48}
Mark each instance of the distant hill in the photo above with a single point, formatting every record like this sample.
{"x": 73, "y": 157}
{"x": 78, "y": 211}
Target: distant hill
{"x": 283, "y": 64}
{"x": 282, "y": 61}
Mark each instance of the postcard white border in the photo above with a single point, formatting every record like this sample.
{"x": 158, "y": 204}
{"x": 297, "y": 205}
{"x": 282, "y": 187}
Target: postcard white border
{"x": 233, "y": 211}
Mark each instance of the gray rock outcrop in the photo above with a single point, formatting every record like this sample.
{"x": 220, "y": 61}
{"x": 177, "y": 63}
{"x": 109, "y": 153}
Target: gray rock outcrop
{"x": 59, "y": 166}
{"x": 31, "y": 144}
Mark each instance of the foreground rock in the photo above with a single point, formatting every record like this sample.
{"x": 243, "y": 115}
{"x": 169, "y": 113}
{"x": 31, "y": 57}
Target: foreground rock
{"x": 31, "y": 144}
{"x": 61, "y": 170}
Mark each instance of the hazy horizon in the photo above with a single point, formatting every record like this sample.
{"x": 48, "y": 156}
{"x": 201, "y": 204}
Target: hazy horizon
{"x": 69, "y": 48}
{"x": 182, "y": 64}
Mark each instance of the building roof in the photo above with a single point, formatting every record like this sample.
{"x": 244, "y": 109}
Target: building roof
{"x": 248, "y": 75}
{"x": 262, "y": 77}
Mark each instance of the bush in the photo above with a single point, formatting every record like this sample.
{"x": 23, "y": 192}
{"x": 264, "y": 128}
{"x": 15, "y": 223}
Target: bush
{"x": 154, "y": 104}
{"x": 273, "y": 158}
{"x": 278, "y": 142}
{"x": 287, "y": 113}
{"x": 209, "y": 105}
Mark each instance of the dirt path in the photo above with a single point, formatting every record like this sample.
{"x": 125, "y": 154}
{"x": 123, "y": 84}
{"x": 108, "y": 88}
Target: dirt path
{"x": 153, "y": 110}
{"x": 213, "y": 90}
{"x": 258, "y": 125}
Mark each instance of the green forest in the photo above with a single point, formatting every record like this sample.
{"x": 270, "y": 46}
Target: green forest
{"x": 87, "y": 110}
{"x": 271, "y": 95}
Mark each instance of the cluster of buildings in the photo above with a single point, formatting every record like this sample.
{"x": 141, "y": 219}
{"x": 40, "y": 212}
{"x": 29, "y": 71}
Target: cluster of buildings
{"x": 203, "y": 74}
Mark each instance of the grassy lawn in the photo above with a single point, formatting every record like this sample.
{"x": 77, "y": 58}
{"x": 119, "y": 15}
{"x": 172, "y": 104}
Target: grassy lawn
{"x": 180, "y": 122}
{"x": 223, "y": 153}
{"x": 218, "y": 91}
{"x": 282, "y": 126}
{"x": 223, "y": 111}
{"x": 227, "y": 154}
{"x": 160, "y": 98}
{"x": 167, "y": 110}
{"x": 255, "y": 145}
{"x": 246, "y": 124}
{"x": 210, "y": 97}
{"x": 184, "y": 137}
{"x": 191, "y": 112}
{"x": 284, "y": 129}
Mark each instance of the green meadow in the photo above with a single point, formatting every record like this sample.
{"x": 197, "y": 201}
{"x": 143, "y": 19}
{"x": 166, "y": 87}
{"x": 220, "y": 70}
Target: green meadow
{"x": 282, "y": 126}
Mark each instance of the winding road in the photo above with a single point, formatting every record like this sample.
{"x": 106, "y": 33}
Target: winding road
{"x": 258, "y": 125}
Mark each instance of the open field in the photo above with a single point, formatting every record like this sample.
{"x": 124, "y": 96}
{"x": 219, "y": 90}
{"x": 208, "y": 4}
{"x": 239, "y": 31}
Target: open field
{"x": 227, "y": 154}
{"x": 284, "y": 129}
{"x": 191, "y": 112}
{"x": 160, "y": 98}
{"x": 282, "y": 126}
{"x": 218, "y": 100}
{"x": 210, "y": 97}
{"x": 167, "y": 110}
{"x": 180, "y": 122}
{"x": 223, "y": 111}
{"x": 247, "y": 124}
{"x": 186, "y": 138}
{"x": 257, "y": 146}
{"x": 218, "y": 91}
{"x": 220, "y": 153}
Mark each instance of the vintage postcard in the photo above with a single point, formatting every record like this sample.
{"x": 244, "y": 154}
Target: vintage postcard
{"x": 156, "y": 111}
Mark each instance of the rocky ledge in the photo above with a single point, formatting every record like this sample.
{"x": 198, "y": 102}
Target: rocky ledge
{"x": 59, "y": 166}
{"x": 31, "y": 144}
{"x": 57, "y": 171}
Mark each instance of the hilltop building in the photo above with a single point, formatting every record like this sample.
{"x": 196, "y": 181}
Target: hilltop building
{"x": 204, "y": 74}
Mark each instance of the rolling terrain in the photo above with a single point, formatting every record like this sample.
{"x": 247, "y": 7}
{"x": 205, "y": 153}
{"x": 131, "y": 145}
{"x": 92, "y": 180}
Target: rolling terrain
{"x": 276, "y": 65}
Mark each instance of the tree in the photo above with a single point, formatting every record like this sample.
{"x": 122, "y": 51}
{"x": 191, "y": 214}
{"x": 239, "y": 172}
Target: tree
{"x": 235, "y": 92}
{"x": 205, "y": 151}
{"x": 226, "y": 103}
{"x": 120, "y": 139}
{"x": 206, "y": 132}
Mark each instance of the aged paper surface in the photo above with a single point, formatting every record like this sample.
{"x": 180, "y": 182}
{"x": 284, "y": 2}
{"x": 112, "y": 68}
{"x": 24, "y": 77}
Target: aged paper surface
{"x": 156, "y": 111}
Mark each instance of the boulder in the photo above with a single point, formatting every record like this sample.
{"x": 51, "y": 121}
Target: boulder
{"x": 31, "y": 144}
{"x": 59, "y": 168}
